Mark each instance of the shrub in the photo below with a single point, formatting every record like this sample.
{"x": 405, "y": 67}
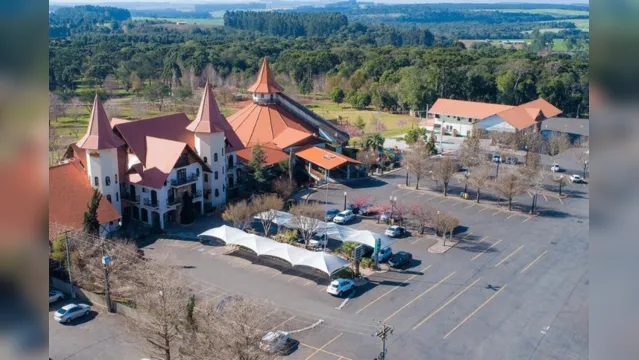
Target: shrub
{"x": 366, "y": 263}
{"x": 288, "y": 236}
{"x": 344, "y": 273}
{"x": 346, "y": 249}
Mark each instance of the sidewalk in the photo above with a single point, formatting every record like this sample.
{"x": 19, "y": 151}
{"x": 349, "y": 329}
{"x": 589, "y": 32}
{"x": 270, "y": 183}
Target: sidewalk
{"x": 440, "y": 248}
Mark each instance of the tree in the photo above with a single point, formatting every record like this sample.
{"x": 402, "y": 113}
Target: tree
{"x": 56, "y": 107}
{"x": 256, "y": 165}
{"x": 374, "y": 141}
{"x": 560, "y": 180}
{"x": 59, "y": 250}
{"x": 582, "y": 155}
{"x": 368, "y": 158}
{"x": 479, "y": 178}
{"x": 283, "y": 187}
{"x": 446, "y": 224}
{"x": 360, "y": 123}
{"x": 414, "y": 134}
{"x": 306, "y": 218}
{"x": 161, "y": 302}
{"x": 90, "y": 224}
{"x": 337, "y": 95}
{"x": 510, "y": 185}
{"x": 156, "y": 93}
{"x": 556, "y": 144}
{"x": 238, "y": 214}
{"x": 136, "y": 83}
{"x": 359, "y": 200}
{"x": 430, "y": 145}
{"x": 534, "y": 178}
{"x": 444, "y": 171}
{"x": 182, "y": 93}
{"x": 346, "y": 249}
{"x": 417, "y": 161}
{"x": 423, "y": 214}
{"x": 267, "y": 206}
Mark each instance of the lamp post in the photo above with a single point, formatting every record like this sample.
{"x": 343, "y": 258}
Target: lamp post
{"x": 345, "y": 194}
{"x": 437, "y": 224}
{"x": 393, "y": 201}
{"x": 585, "y": 166}
{"x": 407, "y": 171}
{"x": 105, "y": 262}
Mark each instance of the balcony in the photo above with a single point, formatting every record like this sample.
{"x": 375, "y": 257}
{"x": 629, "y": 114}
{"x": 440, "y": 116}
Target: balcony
{"x": 151, "y": 204}
{"x": 170, "y": 202}
{"x": 191, "y": 178}
{"x": 196, "y": 194}
{"x": 130, "y": 198}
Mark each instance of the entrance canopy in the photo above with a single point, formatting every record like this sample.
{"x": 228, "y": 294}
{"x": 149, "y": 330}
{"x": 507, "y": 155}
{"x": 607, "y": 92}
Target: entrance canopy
{"x": 264, "y": 246}
{"x": 325, "y": 158}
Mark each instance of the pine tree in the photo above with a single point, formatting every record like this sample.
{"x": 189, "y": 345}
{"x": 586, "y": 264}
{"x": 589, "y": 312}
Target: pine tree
{"x": 91, "y": 225}
{"x": 430, "y": 145}
{"x": 257, "y": 164}
{"x": 187, "y": 215}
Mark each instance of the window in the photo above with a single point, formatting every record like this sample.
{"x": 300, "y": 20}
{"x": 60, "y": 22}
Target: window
{"x": 107, "y": 181}
{"x": 206, "y": 177}
{"x": 116, "y": 178}
{"x": 222, "y": 169}
{"x": 145, "y": 215}
{"x": 217, "y": 193}
{"x": 96, "y": 181}
{"x": 117, "y": 197}
{"x": 216, "y": 175}
{"x": 197, "y": 171}
{"x": 470, "y": 120}
{"x": 206, "y": 160}
{"x": 109, "y": 197}
{"x": 145, "y": 190}
{"x": 164, "y": 182}
{"x": 215, "y": 157}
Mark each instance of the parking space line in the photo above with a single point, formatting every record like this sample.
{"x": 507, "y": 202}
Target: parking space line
{"x": 497, "y": 212}
{"x": 457, "y": 203}
{"x": 416, "y": 241}
{"x": 393, "y": 289}
{"x": 482, "y": 240}
{"x": 508, "y": 257}
{"x": 464, "y": 238}
{"x": 312, "y": 280}
{"x": 514, "y": 214}
{"x": 245, "y": 265}
{"x": 326, "y": 352}
{"x": 194, "y": 246}
{"x": 446, "y": 304}
{"x": 423, "y": 194}
{"x": 534, "y": 261}
{"x": 469, "y": 206}
{"x": 445, "y": 199}
{"x": 530, "y": 217}
{"x": 431, "y": 198}
{"x": 282, "y": 323}
{"x": 483, "y": 208}
{"x": 475, "y": 311}
{"x": 544, "y": 195}
{"x": 420, "y": 295}
{"x": 486, "y": 249}
{"x": 560, "y": 201}
{"x": 325, "y": 345}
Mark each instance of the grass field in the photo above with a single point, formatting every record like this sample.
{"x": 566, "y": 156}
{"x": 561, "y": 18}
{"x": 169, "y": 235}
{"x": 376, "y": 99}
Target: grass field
{"x": 554, "y": 12}
{"x": 215, "y": 21}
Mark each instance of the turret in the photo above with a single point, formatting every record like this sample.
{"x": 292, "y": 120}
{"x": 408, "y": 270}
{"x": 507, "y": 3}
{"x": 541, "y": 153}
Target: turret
{"x": 265, "y": 88}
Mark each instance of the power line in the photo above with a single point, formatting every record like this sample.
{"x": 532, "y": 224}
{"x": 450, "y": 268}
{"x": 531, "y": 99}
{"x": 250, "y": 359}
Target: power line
{"x": 383, "y": 334}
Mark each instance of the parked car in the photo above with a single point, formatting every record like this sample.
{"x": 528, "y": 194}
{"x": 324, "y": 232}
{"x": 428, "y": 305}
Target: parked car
{"x": 383, "y": 254}
{"x": 340, "y": 286}
{"x": 383, "y": 217}
{"x": 496, "y": 158}
{"x": 366, "y": 209}
{"x": 395, "y": 231}
{"x": 555, "y": 168}
{"x": 330, "y": 214}
{"x": 344, "y": 217}
{"x": 71, "y": 311}
{"x": 279, "y": 342}
{"x": 55, "y": 295}
{"x": 318, "y": 240}
{"x": 399, "y": 259}
{"x": 575, "y": 178}
{"x": 511, "y": 160}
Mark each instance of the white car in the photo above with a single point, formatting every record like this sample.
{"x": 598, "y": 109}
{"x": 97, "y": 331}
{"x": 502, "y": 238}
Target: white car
{"x": 340, "y": 286}
{"x": 318, "y": 240}
{"x": 71, "y": 311}
{"x": 575, "y": 178}
{"x": 383, "y": 254}
{"x": 395, "y": 231}
{"x": 344, "y": 217}
{"x": 555, "y": 168}
{"x": 55, "y": 295}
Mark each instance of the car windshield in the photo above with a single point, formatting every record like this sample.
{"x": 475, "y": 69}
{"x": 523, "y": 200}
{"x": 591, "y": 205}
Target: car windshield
{"x": 62, "y": 311}
{"x": 332, "y": 212}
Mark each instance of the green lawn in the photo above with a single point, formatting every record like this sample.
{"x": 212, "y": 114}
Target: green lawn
{"x": 554, "y": 12}
{"x": 217, "y": 21}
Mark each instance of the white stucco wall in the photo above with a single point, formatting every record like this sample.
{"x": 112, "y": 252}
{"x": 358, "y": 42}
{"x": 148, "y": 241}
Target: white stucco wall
{"x": 207, "y": 145}
{"x": 463, "y": 129}
{"x": 495, "y": 123}
{"x": 100, "y": 164}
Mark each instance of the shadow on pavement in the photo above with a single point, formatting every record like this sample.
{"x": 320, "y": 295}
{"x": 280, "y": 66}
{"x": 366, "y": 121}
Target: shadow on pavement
{"x": 82, "y": 319}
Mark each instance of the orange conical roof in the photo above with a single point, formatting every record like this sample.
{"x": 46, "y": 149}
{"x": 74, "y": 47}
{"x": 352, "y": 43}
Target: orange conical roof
{"x": 99, "y": 133}
{"x": 265, "y": 83}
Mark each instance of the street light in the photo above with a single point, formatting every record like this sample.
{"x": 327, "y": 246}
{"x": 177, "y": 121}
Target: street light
{"x": 345, "y": 193}
{"x": 407, "y": 171}
{"x": 393, "y": 201}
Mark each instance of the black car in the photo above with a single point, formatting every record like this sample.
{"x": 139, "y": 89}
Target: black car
{"x": 400, "y": 258}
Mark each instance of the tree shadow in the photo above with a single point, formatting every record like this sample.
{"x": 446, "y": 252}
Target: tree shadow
{"x": 364, "y": 183}
{"x": 475, "y": 247}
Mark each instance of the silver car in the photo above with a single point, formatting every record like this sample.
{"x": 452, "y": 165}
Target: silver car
{"x": 71, "y": 311}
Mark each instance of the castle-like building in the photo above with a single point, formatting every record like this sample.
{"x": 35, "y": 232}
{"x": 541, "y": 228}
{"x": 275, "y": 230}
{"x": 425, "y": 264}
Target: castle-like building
{"x": 143, "y": 168}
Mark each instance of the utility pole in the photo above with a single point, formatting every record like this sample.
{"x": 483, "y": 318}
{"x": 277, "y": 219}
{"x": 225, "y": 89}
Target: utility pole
{"x": 383, "y": 334}
{"x": 105, "y": 262}
{"x": 66, "y": 242}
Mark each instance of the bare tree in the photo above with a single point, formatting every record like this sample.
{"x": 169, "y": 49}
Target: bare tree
{"x": 510, "y": 185}
{"x": 368, "y": 158}
{"x": 160, "y": 299}
{"x": 446, "y": 224}
{"x": 423, "y": 214}
{"x": 417, "y": 161}
{"x": 479, "y": 178}
{"x": 582, "y": 155}
{"x": 112, "y": 108}
{"x": 444, "y": 171}
{"x": 560, "y": 180}
{"x": 306, "y": 218}
{"x": 111, "y": 84}
{"x": 556, "y": 144}
{"x": 239, "y": 214}
{"x": 224, "y": 95}
{"x": 283, "y": 188}
{"x": 56, "y": 107}
{"x": 56, "y": 148}
{"x": 267, "y": 206}
{"x": 360, "y": 200}
{"x": 139, "y": 109}
{"x": 531, "y": 141}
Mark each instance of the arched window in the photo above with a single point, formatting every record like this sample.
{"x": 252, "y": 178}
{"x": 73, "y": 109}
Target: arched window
{"x": 96, "y": 181}
{"x": 217, "y": 193}
{"x": 215, "y": 157}
{"x": 206, "y": 160}
{"x": 109, "y": 197}
{"x": 107, "y": 181}
{"x": 116, "y": 178}
{"x": 206, "y": 177}
{"x": 117, "y": 197}
{"x": 216, "y": 175}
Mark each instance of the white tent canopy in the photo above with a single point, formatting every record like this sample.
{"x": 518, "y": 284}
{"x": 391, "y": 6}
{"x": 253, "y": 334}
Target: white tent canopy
{"x": 264, "y": 246}
{"x": 368, "y": 238}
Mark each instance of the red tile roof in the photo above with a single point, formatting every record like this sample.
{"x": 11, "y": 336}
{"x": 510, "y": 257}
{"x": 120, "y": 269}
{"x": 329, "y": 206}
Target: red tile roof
{"x": 324, "y": 157}
{"x": 548, "y": 109}
{"x": 469, "y": 109}
{"x": 265, "y": 82}
{"x": 162, "y": 154}
{"x": 272, "y": 155}
{"x": 70, "y": 194}
{"x": 290, "y": 137}
{"x": 99, "y": 134}
{"x": 520, "y": 117}
{"x": 263, "y": 123}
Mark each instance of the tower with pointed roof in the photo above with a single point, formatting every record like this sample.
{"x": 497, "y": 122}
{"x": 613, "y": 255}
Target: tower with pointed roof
{"x": 101, "y": 145}
{"x": 265, "y": 88}
{"x": 212, "y": 137}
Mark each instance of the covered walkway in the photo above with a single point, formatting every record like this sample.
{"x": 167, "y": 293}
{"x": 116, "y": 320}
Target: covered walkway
{"x": 327, "y": 160}
{"x": 296, "y": 256}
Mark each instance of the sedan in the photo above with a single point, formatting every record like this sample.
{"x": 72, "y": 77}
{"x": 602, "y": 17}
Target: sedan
{"x": 330, "y": 214}
{"x": 383, "y": 254}
{"x": 344, "y": 217}
{"x": 399, "y": 259}
{"x": 55, "y": 295}
{"x": 575, "y": 178}
{"x": 555, "y": 168}
{"x": 386, "y": 215}
{"x": 71, "y": 311}
{"x": 395, "y": 231}
{"x": 340, "y": 286}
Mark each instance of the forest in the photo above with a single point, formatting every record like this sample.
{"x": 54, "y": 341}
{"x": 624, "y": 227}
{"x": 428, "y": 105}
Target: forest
{"x": 387, "y": 74}
{"x": 286, "y": 24}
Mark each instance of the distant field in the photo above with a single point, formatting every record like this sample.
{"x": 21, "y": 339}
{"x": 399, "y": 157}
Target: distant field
{"x": 469, "y": 43}
{"x": 554, "y": 12}
{"x": 218, "y": 21}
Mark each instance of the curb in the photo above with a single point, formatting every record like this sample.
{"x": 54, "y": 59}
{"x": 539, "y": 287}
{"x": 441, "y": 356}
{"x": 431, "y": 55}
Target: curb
{"x": 446, "y": 247}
